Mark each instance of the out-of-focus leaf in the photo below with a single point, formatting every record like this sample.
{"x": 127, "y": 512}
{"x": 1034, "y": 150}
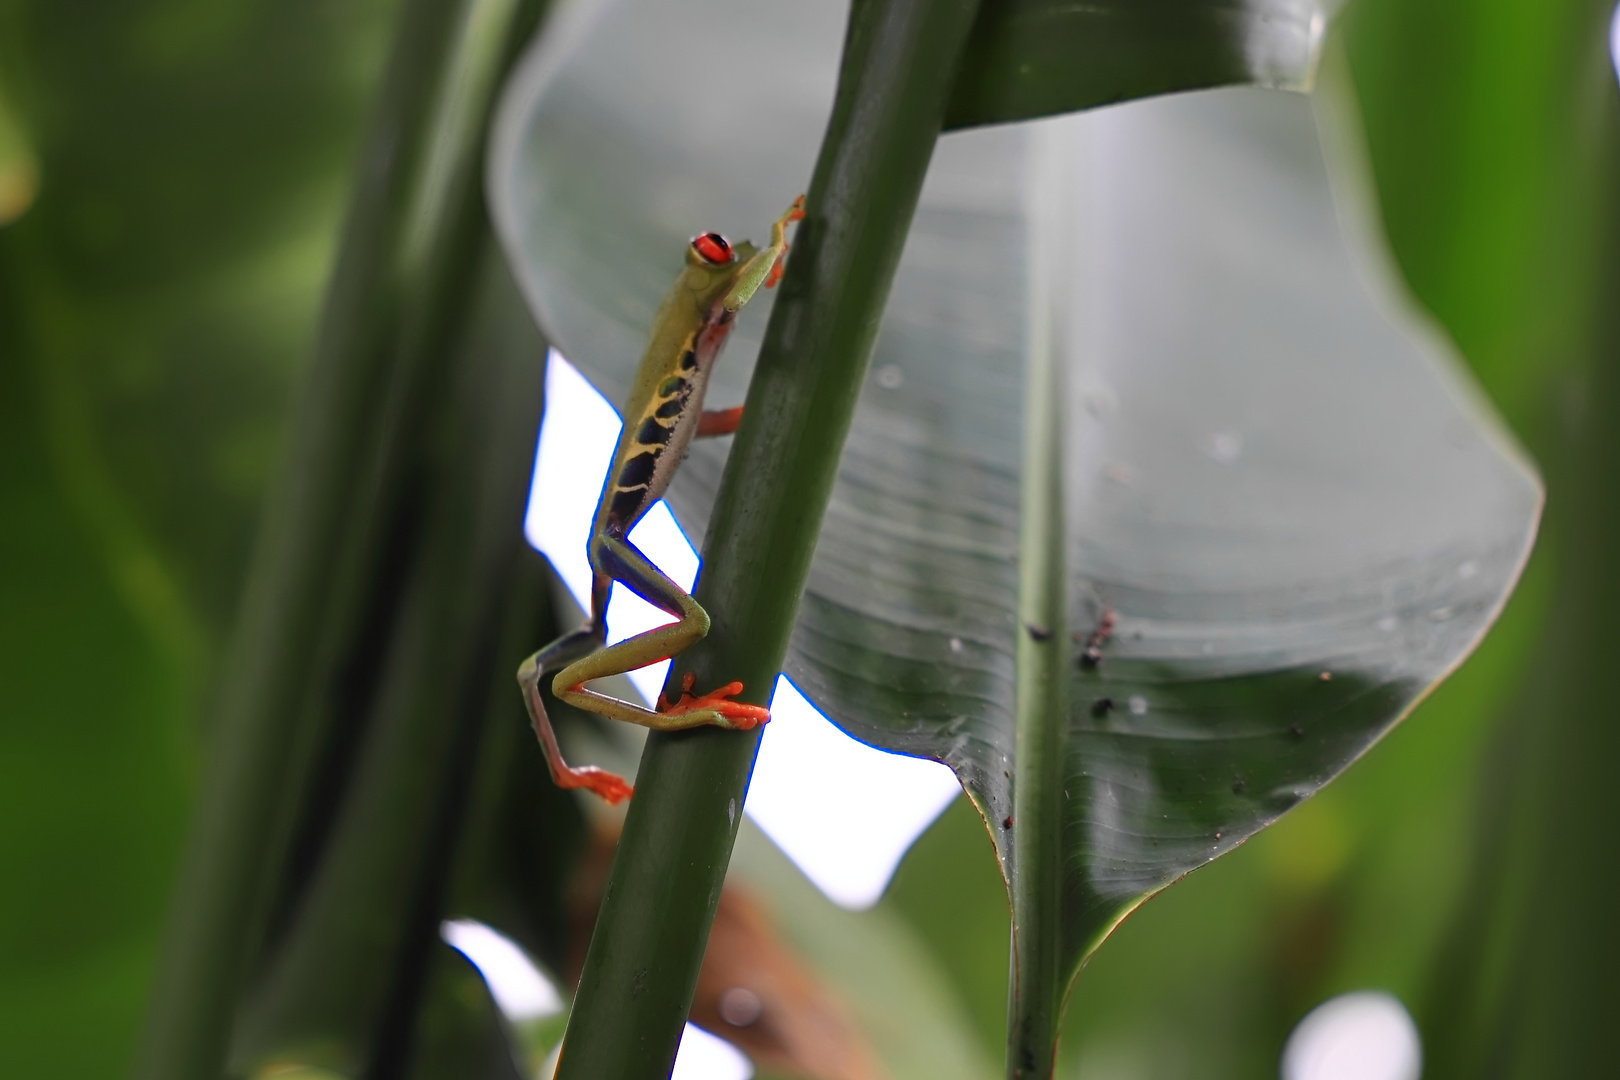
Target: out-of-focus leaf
{"x": 459, "y": 1033}
{"x": 155, "y": 300}
{"x": 886, "y": 979}
{"x": 755, "y": 993}
{"x": 19, "y": 168}
{"x": 1274, "y": 482}
{"x": 1496, "y": 132}
{"x": 1033, "y": 58}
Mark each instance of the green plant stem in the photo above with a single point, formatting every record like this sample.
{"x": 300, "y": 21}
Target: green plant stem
{"x": 1036, "y": 956}
{"x": 319, "y": 594}
{"x": 899, "y": 62}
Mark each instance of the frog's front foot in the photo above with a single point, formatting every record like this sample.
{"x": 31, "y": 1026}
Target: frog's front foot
{"x": 720, "y": 711}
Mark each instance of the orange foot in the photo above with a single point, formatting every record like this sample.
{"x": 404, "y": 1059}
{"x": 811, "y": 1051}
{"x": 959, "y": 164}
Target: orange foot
{"x": 610, "y": 786}
{"x": 738, "y": 715}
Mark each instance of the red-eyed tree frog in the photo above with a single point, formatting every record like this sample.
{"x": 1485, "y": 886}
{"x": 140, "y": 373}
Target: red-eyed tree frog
{"x": 663, "y": 413}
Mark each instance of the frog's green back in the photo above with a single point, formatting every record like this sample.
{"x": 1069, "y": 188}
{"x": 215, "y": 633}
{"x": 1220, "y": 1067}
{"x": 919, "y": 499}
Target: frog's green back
{"x": 670, "y": 358}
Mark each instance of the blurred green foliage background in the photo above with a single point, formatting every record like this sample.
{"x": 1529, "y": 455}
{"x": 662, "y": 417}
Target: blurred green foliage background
{"x": 159, "y": 297}
{"x": 172, "y": 175}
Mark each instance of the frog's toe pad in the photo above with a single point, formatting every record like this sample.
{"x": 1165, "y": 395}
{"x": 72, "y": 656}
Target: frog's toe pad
{"x": 725, "y": 713}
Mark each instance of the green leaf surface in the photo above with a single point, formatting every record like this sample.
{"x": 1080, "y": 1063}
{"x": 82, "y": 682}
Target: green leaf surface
{"x": 1270, "y": 469}
{"x": 1034, "y": 58}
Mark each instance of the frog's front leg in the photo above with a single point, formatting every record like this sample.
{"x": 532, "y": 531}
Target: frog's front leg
{"x": 765, "y": 267}
{"x": 622, "y": 561}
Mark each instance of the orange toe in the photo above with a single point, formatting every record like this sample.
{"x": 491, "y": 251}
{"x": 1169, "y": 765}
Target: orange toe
{"x": 740, "y": 715}
{"x": 744, "y": 717}
{"x": 610, "y": 786}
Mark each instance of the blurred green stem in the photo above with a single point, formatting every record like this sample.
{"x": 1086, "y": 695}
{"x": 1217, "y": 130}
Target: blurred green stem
{"x": 899, "y": 62}
{"x": 342, "y": 987}
{"x": 319, "y": 599}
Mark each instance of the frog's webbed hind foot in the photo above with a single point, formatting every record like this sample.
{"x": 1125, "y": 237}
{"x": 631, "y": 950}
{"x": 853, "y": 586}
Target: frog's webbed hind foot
{"x": 610, "y": 786}
{"x": 715, "y": 707}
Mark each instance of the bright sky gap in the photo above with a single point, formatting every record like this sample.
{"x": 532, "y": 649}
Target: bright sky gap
{"x": 523, "y": 992}
{"x": 842, "y": 811}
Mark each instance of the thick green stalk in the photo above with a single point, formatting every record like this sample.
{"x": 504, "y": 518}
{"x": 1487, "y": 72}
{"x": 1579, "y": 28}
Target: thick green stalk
{"x": 319, "y": 595}
{"x": 1036, "y": 979}
{"x": 899, "y": 62}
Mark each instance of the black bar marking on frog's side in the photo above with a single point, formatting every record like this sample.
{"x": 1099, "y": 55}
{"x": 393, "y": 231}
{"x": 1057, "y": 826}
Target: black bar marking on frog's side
{"x": 652, "y": 433}
{"x": 626, "y": 501}
{"x": 637, "y": 471}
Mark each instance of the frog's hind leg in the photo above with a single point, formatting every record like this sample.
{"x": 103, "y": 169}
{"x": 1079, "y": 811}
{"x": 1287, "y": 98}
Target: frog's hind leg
{"x": 622, "y": 561}
{"x": 566, "y": 650}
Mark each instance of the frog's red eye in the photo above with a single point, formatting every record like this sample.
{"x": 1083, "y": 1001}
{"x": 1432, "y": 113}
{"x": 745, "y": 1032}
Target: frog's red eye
{"x": 713, "y": 247}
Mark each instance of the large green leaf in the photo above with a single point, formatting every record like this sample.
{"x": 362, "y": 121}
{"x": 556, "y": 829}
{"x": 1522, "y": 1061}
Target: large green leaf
{"x": 1480, "y": 123}
{"x": 1252, "y": 453}
{"x": 1032, "y": 58}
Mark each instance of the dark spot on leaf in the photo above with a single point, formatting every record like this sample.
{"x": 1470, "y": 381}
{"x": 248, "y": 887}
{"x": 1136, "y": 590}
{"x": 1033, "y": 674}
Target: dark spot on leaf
{"x": 1238, "y": 786}
{"x": 1102, "y": 707}
{"x": 1296, "y": 730}
{"x": 1091, "y": 655}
